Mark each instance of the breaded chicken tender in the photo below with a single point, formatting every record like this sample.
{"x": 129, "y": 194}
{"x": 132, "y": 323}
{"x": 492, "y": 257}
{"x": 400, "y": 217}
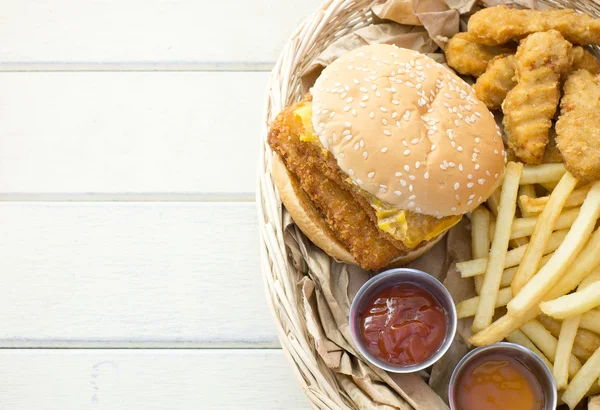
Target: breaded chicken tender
{"x": 321, "y": 179}
{"x": 581, "y": 59}
{"x": 499, "y": 78}
{"x": 552, "y": 155}
{"x": 578, "y": 126}
{"x": 500, "y": 24}
{"x": 468, "y": 57}
{"x": 541, "y": 60}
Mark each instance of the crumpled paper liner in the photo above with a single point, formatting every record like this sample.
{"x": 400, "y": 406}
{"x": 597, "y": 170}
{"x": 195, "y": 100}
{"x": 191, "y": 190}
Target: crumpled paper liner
{"x": 327, "y": 287}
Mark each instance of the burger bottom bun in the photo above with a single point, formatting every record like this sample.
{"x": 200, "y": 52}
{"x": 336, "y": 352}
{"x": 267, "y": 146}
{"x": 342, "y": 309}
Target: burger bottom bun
{"x": 314, "y": 226}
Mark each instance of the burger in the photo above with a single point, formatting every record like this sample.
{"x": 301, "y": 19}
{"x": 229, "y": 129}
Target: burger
{"x": 387, "y": 152}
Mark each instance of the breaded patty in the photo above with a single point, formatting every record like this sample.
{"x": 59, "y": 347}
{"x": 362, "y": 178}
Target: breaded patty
{"x": 578, "y": 127}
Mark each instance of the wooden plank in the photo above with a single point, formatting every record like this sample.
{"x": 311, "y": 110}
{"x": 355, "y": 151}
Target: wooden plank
{"x": 151, "y": 33}
{"x": 131, "y": 274}
{"x": 148, "y": 380}
{"x": 149, "y": 133}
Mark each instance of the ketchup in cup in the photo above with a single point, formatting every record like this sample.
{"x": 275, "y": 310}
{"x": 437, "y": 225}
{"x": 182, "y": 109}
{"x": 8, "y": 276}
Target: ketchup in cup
{"x": 403, "y": 324}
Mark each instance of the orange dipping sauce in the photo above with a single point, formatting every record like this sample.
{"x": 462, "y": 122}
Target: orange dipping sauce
{"x": 498, "y": 382}
{"x": 403, "y": 325}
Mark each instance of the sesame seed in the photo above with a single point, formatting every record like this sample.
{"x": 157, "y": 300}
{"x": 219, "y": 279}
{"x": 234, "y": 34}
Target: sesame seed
{"x": 460, "y": 167}
{"x": 384, "y": 121}
{"x": 347, "y": 137}
{"x": 383, "y": 109}
{"x": 398, "y": 174}
{"x": 378, "y": 93}
{"x": 407, "y": 152}
{"x": 456, "y": 186}
{"x": 407, "y": 168}
{"x": 470, "y": 176}
{"x": 481, "y": 181}
{"x": 412, "y": 197}
{"x": 403, "y": 182}
{"x": 496, "y": 176}
{"x": 394, "y": 114}
{"x": 412, "y": 177}
{"x": 442, "y": 166}
{"x": 417, "y": 164}
{"x": 387, "y": 132}
{"x": 409, "y": 84}
{"x": 371, "y": 115}
{"x": 398, "y": 193}
{"x": 451, "y": 164}
{"x": 433, "y": 147}
{"x": 371, "y": 175}
{"x": 356, "y": 147}
{"x": 341, "y": 155}
{"x": 384, "y": 149}
{"x": 346, "y": 108}
{"x": 453, "y": 209}
{"x": 459, "y": 148}
{"x": 350, "y": 171}
{"x": 362, "y": 104}
{"x": 355, "y": 81}
{"x": 362, "y": 143}
{"x": 404, "y": 143}
{"x": 344, "y": 94}
{"x": 456, "y": 123}
{"x": 395, "y": 102}
{"x": 476, "y": 167}
{"x": 359, "y": 182}
{"x": 411, "y": 204}
{"x": 365, "y": 97}
{"x": 348, "y": 124}
{"x": 470, "y": 185}
{"x": 365, "y": 155}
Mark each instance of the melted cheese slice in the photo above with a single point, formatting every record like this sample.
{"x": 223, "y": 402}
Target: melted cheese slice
{"x": 408, "y": 227}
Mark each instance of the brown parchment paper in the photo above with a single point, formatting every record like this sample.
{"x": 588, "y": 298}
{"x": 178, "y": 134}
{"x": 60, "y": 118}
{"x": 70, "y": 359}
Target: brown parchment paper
{"x": 327, "y": 287}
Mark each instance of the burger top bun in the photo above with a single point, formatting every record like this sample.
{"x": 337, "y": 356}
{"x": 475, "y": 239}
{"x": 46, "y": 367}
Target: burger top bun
{"x": 408, "y": 130}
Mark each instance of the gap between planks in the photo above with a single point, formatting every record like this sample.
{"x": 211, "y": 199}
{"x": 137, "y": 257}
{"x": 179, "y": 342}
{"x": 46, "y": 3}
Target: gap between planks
{"x": 127, "y": 66}
{"x": 129, "y": 197}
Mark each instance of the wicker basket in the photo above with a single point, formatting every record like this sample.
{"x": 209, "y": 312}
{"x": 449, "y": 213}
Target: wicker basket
{"x": 334, "y": 19}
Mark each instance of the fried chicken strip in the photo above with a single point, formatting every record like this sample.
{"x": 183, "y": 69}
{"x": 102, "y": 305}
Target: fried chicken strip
{"x": 499, "y": 78}
{"x": 468, "y": 57}
{"x": 578, "y": 126}
{"x": 498, "y": 25}
{"x": 321, "y": 179}
{"x": 528, "y": 109}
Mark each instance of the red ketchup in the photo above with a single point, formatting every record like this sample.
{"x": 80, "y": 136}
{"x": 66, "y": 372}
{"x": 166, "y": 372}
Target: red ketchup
{"x": 403, "y": 325}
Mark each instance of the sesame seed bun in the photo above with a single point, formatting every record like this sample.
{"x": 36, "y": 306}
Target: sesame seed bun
{"x": 311, "y": 223}
{"x": 408, "y": 130}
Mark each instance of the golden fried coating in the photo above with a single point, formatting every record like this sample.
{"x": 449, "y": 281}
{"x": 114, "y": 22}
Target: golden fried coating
{"x": 581, "y": 59}
{"x": 499, "y": 78}
{"x": 322, "y": 180}
{"x": 497, "y": 81}
{"x": 578, "y": 126}
{"x": 468, "y": 57}
{"x": 528, "y": 109}
{"x": 500, "y": 24}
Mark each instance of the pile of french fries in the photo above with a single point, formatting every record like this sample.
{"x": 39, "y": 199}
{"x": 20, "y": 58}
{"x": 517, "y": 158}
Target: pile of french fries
{"x": 536, "y": 269}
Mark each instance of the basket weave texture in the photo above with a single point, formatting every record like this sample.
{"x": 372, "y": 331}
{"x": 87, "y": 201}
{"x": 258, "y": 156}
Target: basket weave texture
{"x": 334, "y": 19}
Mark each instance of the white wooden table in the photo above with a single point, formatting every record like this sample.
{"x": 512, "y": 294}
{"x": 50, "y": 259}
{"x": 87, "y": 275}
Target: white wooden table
{"x": 129, "y": 134}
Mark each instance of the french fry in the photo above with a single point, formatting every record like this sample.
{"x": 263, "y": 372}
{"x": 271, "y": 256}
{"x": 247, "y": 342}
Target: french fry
{"x": 513, "y": 257}
{"x": 541, "y": 234}
{"x": 499, "y": 247}
{"x": 526, "y": 191}
{"x": 526, "y": 226}
{"x": 594, "y": 403}
{"x": 582, "y": 381}
{"x": 480, "y": 239}
{"x": 519, "y": 338}
{"x": 566, "y": 340}
{"x": 468, "y": 307}
{"x": 535, "y": 205}
{"x": 539, "y": 174}
{"x": 587, "y": 262}
{"x": 590, "y": 320}
{"x": 494, "y": 200}
{"x": 574, "y": 304}
{"x": 547, "y": 277}
{"x": 547, "y": 343}
{"x": 548, "y": 186}
{"x": 509, "y": 273}
{"x": 586, "y": 342}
